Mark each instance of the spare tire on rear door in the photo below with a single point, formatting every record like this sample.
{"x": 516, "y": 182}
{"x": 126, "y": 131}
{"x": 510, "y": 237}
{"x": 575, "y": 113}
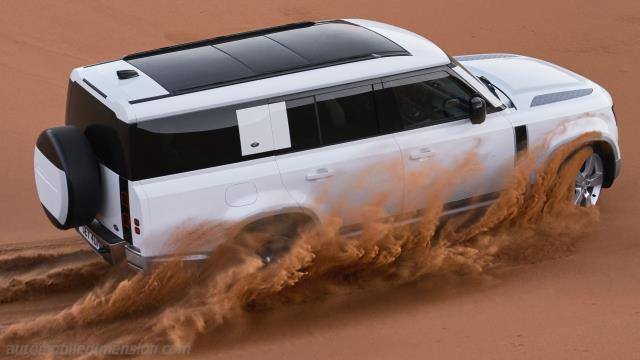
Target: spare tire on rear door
{"x": 67, "y": 177}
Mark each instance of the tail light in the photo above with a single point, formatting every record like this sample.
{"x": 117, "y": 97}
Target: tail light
{"x": 125, "y": 210}
{"x": 136, "y": 224}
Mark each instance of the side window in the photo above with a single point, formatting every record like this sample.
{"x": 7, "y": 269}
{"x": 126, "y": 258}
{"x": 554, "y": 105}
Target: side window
{"x": 185, "y": 142}
{"x": 347, "y": 115}
{"x": 303, "y": 123}
{"x": 423, "y": 100}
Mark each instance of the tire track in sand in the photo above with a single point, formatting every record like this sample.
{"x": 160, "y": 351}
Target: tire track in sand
{"x": 34, "y": 269}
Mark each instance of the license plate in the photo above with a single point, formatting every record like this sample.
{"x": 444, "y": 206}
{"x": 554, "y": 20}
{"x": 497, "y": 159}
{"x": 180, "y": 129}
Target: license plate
{"x": 90, "y": 237}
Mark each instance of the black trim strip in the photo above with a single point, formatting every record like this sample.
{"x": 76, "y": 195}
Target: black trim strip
{"x": 454, "y": 63}
{"x": 521, "y": 140}
{"x": 125, "y": 210}
{"x": 137, "y": 101}
{"x": 94, "y": 88}
{"x": 452, "y": 205}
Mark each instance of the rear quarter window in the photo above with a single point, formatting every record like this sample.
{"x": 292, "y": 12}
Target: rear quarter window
{"x": 109, "y": 136}
{"x": 186, "y": 142}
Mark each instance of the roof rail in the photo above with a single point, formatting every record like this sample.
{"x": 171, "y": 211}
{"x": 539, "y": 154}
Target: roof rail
{"x": 220, "y": 39}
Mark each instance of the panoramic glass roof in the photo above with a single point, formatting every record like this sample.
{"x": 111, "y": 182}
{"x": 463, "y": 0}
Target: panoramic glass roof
{"x": 245, "y": 57}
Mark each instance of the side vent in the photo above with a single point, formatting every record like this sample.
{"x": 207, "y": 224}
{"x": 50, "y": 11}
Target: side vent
{"x": 559, "y": 96}
{"x": 522, "y": 141}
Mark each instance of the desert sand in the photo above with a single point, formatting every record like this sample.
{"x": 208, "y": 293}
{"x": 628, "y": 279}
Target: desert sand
{"x": 584, "y": 304}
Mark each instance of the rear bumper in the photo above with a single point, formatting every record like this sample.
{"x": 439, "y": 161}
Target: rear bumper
{"x": 142, "y": 263}
{"x": 115, "y": 250}
{"x": 103, "y": 242}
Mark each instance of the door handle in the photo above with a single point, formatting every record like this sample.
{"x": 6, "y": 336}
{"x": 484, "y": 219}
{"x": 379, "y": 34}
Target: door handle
{"x": 319, "y": 174}
{"x": 422, "y": 154}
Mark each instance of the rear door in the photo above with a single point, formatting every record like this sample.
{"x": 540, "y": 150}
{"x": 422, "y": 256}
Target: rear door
{"x": 438, "y": 142}
{"x": 341, "y": 166}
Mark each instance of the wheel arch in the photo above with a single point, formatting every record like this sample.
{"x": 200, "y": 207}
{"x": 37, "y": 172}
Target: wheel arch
{"x": 301, "y": 215}
{"x": 604, "y": 147}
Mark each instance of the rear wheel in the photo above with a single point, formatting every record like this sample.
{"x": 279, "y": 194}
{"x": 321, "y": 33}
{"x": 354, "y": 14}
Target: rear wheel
{"x": 272, "y": 238}
{"x": 589, "y": 180}
{"x": 275, "y": 247}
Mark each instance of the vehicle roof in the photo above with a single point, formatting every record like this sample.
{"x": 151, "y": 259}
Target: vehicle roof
{"x": 263, "y": 53}
{"x": 256, "y": 65}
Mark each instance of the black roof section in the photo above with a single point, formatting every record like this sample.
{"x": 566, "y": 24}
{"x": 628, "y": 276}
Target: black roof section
{"x": 259, "y": 54}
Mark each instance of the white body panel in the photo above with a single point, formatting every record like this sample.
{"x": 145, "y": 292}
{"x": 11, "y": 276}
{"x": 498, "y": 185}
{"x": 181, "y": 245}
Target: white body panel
{"x": 338, "y": 180}
{"x": 51, "y": 184}
{"x": 109, "y": 213}
{"x": 280, "y": 126}
{"x": 222, "y": 195}
{"x": 523, "y": 78}
{"x": 254, "y": 125}
{"x": 263, "y": 128}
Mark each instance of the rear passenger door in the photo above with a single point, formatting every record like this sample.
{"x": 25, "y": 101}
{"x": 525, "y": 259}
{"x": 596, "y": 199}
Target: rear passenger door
{"x": 430, "y": 114}
{"x": 340, "y": 163}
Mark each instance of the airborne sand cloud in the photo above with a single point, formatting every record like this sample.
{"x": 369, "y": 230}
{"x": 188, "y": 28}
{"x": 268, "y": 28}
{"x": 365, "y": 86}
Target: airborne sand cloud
{"x": 176, "y": 302}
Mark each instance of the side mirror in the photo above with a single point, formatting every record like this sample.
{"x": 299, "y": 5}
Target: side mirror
{"x": 478, "y": 110}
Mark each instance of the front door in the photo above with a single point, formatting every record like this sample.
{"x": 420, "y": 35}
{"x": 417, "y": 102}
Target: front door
{"x": 442, "y": 151}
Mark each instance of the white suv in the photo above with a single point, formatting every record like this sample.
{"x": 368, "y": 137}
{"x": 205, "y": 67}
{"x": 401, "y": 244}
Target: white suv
{"x": 294, "y": 123}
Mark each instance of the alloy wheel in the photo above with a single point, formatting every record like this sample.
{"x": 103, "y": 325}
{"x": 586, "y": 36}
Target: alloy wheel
{"x": 589, "y": 181}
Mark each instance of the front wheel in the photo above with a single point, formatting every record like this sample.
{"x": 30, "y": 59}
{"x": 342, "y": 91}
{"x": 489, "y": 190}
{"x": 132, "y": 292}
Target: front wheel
{"x": 589, "y": 180}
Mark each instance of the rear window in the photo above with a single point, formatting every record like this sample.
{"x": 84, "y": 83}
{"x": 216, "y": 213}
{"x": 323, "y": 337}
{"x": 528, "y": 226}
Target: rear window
{"x": 159, "y": 147}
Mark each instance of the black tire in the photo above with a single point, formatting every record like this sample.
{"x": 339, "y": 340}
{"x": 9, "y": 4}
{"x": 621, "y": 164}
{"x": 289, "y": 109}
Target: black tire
{"x": 70, "y": 151}
{"x": 272, "y": 238}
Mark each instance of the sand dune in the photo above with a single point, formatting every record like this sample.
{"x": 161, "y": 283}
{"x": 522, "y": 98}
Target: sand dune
{"x": 582, "y": 304}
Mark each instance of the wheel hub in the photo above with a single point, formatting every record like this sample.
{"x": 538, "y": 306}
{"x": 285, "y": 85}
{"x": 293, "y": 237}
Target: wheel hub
{"x": 589, "y": 181}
